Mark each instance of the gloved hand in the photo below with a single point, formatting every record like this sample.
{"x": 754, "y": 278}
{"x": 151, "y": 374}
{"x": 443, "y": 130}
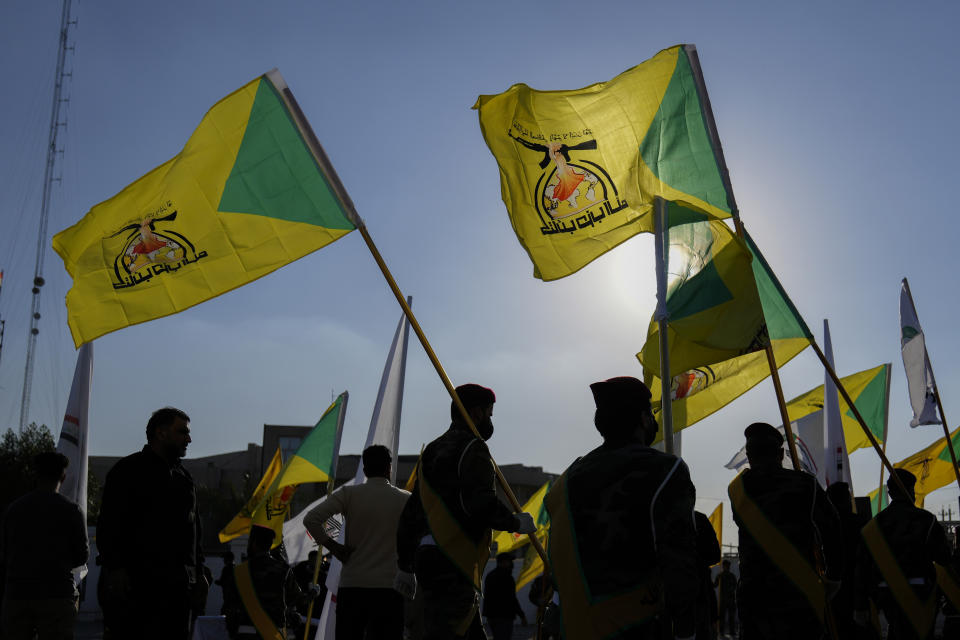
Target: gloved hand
{"x": 314, "y": 590}
{"x": 831, "y": 587}
{"x": 523, "y": 523}
{"x": 862, "y": 618}
{"x": 405, "y": 584}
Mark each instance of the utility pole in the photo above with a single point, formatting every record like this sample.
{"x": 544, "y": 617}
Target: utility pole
{"x": 48, "y": 180}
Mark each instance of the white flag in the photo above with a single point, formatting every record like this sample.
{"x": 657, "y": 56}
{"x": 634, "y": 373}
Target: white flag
{"x": 835, "y": 456}
{"x": 384, "y": 430}
{"x": 808, "y": 434}
{"x": 74, "y": 434}
{"x": 916, "y": 362}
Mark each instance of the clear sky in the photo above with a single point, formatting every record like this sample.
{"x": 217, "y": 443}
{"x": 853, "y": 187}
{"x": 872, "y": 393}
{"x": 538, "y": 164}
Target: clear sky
{"x": 836, "y": 119}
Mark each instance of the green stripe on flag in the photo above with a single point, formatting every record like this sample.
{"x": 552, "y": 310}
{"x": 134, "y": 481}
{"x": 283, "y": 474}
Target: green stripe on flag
{"x": 781, "y": 316}
{"x": 872, "y": 405}
{"x": 677, "y": 148}
{"x": 275, "y": 175}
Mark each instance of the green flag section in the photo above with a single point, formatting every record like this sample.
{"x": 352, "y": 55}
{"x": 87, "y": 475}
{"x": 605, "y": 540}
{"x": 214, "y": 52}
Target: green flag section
{"x": 250, "y": 192}
{"x": 870, "y": 391}
{"x": 879, "y": 500}
{"x": 240, "y": 525}
{"x": 704, "y": 388}
{"x": 712, "y": 301}
{"x": 580, "y": 168}
{"x": 316, "y": 458}
{"x": 932, "y": 467}
{"x": 508, "y": 541}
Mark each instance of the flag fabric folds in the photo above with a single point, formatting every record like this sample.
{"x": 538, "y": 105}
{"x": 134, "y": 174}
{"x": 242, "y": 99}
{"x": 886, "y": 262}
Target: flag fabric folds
{"x": 931, "y": 465}
{"x": 713, "y": 306}
{"x": 916, "y": 362}
{"x": 240, "y": 524}
{"x": 74, "y": 436}
{"x": 316, "y": 458}
{"x": 250, "y": 192}
{"x": 870, "y": 392}
{"x": 579, "y": 169}
{"x": 699, "y": 391}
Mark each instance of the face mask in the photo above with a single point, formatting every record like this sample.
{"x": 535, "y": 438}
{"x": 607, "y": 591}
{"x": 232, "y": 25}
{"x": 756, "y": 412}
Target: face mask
{"x": 485, "y": 428}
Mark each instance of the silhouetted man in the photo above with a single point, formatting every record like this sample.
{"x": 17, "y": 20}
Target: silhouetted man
{"x": 500, "y": 604}
{"x": 895, "y": 567}
{"x": 785, "y": 521}
{"x": 42, "y": 537}
{"x": 444, "y": 532}
{"x": 148, "y": 535}
{"x": 622, "y": 537}
{"x": 367, "y": 604}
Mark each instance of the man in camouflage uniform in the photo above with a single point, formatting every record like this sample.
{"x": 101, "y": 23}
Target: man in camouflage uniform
{"x": 895, "y": 566}
{"x": 786, "y": 522}
{"x": 622, "y": 542}
{"x": 443, "y": 539}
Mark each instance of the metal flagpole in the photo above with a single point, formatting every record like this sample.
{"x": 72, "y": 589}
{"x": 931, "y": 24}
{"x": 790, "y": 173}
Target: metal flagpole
{"x": 936, "y": 393}
{"x": 337, "y": 187}
{"x": 662, "y": 239}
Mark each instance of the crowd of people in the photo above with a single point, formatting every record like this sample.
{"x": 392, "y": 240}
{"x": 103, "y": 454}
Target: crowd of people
{"x": 629, "y": 557}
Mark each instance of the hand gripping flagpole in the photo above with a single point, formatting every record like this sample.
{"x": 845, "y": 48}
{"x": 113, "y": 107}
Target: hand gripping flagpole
{"x": 936, "y": 393}
{"x": 320, "y": 156}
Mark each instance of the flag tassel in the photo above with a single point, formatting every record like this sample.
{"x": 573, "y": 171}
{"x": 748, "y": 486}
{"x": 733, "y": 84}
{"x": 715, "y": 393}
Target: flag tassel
{"x": 936, "y": 395}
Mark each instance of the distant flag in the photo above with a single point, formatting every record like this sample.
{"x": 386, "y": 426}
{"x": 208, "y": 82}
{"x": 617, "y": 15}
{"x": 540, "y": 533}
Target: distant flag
{"x": 314, "y": 461}
{"x": 532, "y": 562}
{"x": 579, "y": 169}
{"x": 716, "y": 520}
{"x": 835, "y": 454}
{"x": 384, "y": 430}
{"x": 250, "y": 192}
{"x": 507, "y": 541}
{"x": 916, "y": 362}
{"x": 240, "y": 525}
{"x": 412, "y": 480}
{"x": 698, "y": 392}
{"x": 932, "y": 467}
{"x": 74, "y": 435}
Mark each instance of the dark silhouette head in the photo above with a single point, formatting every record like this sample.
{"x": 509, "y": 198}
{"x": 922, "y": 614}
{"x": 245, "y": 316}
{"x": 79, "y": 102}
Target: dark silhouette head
{"x": 478, "y": 401}
{"x": 261, "y": 539}
{"x": 168, "y": 433}
{"x": 839, "y": 495}
{"x": 909, "y": 481}
{"x": 50, "y": 467}
{"x": 764, "y": 446}
{"x": 623, "y": 411}
{"x": 377, "y": 461}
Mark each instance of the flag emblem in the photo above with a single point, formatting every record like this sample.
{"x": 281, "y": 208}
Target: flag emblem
{"x": 149, "y": 246}
{"x": 572, "y": 192}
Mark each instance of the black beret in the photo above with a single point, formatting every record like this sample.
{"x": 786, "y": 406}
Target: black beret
{"x": 761, "y": 431}
{"x": 621, "y": 393}
{"x": 473, "y": 395}
{"x": 909, "y": 480}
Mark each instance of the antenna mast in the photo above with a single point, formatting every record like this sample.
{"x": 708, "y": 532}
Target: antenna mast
{"x": 48, "y": 180}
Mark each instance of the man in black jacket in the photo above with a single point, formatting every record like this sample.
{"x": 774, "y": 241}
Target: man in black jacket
{"x": 148, "y": 535}
{"x": 500, "y": 604}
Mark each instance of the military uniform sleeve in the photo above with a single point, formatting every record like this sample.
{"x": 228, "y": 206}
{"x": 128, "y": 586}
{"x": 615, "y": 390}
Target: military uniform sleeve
{"x": 708, "y": 548}
{"x": 478, "y": 489}
{"x": 827, "y": 522}
{"x": 676, "y": 545}
{"x": 410, "y": 529}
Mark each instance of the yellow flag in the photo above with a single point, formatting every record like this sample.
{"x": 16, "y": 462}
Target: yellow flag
{"x": 250, "y": 192}
{"x": 507, "y": 540}
{"x": 273, "y": 513}
{"x": 579, "y": 169}
{"x": 532, "y": 562}
{"x": 716, "y": 520}
{"x": 931, "y": 465}
{"x": 240, "y": 525}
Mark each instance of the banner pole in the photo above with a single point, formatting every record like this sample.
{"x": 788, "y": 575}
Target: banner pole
{"x": 661, "y": 238}
{"x": 936, "y": 393}
{"x": 317, "y": 563}
{"x": 511, "y": 497}
{"x": 320, "y": 157}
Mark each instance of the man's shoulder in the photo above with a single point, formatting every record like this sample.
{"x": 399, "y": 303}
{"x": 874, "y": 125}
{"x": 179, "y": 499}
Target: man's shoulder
{"x": 128, "y": 464}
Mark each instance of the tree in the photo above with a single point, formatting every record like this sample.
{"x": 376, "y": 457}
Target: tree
{"x": 17, "y": 451}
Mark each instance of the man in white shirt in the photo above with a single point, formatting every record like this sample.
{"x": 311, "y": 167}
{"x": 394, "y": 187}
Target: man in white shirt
{"x": 366, "y": 601}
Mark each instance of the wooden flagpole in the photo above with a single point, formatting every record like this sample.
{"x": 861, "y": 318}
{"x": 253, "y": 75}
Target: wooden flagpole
{"x": 320, "y": 156}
